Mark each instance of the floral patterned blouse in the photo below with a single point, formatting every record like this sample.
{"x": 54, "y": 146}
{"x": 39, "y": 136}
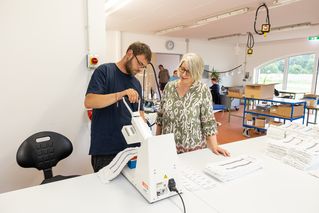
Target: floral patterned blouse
{"x": 190, "y": 117}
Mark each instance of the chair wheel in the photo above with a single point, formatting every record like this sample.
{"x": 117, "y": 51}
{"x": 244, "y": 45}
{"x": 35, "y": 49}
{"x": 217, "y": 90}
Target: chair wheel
{"x": 246, "y": 132}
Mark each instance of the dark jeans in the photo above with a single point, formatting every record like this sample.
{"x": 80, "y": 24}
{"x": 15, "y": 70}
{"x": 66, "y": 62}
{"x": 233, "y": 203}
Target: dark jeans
{"x": 100, "y": 161}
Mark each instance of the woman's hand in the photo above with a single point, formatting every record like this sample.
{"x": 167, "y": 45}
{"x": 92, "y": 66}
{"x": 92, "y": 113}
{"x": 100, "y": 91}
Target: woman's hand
{"x": 218, "y": 150}
{"x": 213, "y": 146}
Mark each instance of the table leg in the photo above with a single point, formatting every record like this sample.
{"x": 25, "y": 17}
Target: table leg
{"x": 307, "y": 117}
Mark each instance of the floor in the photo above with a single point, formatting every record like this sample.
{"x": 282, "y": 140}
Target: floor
{"x": 232, "y": 131}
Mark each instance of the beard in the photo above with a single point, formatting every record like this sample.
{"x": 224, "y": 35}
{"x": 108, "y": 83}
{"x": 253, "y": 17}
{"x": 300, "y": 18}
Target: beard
{"x": 129, "y": 68}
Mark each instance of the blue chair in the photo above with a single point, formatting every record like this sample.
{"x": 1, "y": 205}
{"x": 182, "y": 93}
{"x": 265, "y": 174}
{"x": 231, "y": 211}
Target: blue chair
{"x": 219, "y": 107}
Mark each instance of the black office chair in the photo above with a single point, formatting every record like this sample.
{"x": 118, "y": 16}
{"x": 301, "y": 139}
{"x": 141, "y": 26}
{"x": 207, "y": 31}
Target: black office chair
{"x": 43, "y": 151}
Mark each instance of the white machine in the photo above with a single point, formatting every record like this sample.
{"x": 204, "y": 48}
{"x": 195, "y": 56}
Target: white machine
{"x": 156, "y": 160}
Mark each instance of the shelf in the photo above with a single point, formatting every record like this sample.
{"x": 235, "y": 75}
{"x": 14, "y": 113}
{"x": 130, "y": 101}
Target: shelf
{"x": 279, "y": 100}
{"x": 254, "y": 111}
{"x": 267, "y": 114}
{"x": 254, "y": 127}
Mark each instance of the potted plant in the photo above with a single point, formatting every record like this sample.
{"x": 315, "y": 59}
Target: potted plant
{"x": 215, "y": 74}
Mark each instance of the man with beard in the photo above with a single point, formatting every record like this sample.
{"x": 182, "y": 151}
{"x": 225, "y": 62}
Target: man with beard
{"x": 108, "y": 85}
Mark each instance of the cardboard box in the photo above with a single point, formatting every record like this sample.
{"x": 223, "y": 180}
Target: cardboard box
{"x": 275, "y": 123}
{"x": 251, "y": 123}
{"x": 311, "y": 96}
{"x": 261, "y": 91}
{"x": 284, "y": 110}
{"x": 249, "y": 117}
{"x": 249, "y": 120}
{"x": 311, "y": 103}
{"x": 311, "y": 99}
{"x": 260, "y": 122}
{"x": 235, "y": 92}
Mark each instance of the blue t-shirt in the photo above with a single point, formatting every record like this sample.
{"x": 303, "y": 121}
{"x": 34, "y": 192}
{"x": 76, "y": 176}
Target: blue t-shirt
{"x": 106, "y": 135}
{"x": 173, "y": 78}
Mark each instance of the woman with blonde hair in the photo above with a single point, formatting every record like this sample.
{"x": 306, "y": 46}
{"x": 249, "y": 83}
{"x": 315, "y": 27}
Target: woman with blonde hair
{"x": 186, "y": 109}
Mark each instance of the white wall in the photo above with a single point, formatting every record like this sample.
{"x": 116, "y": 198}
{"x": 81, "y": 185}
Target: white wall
{"x": 169, "y": 61}
{"x": 113, "y": 46}
{"x": 267, "y": 51}
{"x": 220, "y": 55}
{"x": 156, "y": 43}
{"x": 44, "y": 80}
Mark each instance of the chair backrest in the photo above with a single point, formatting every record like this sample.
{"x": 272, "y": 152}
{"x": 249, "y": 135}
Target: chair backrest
{"x": 43, "y": 151}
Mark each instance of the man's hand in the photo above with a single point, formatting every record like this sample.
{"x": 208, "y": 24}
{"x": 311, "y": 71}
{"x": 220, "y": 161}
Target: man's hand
{"x": 132, "y": 95}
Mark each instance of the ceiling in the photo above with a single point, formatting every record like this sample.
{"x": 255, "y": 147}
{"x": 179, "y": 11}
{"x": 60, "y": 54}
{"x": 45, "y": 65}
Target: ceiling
{"x": 151, "y": 16}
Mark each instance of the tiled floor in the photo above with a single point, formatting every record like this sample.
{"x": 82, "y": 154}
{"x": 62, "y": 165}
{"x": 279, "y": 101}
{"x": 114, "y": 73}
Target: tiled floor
{"x": 230, "y": 131}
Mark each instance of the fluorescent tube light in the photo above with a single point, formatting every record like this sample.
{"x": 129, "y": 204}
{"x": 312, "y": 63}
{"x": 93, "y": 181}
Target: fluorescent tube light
{"x": 282, "y": 2}
{"x": 291, "y": 27}
{"x": 170, "y": 30}
{"x": 224, "y": 36}
{"x": 222, "y": 16}
{"x": 195, "y": 26}
{"x": 205, "y": 21}
{"x": 274, "y": 29}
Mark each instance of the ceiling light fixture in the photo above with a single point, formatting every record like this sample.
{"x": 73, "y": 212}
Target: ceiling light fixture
{"x": 222, "y": 16}
{"x": 283, "y": 2}
{"x": 205, "y": 21}
{"x": 170, "y": 30}
{"x": 291, "y": 27}
{"x": 195, "y": 26}
{"x": 225, "y": 36}
{"x": 274, "y": 29}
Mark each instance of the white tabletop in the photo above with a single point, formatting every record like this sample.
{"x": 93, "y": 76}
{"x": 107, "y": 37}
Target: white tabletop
{"x": 290, "y": 92}
{"x": 88, "y": 194}
{"x": 275, "y": 188}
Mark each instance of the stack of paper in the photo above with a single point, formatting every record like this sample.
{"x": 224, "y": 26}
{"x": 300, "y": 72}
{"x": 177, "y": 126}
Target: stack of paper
{"x": 294, "y": 144}
{"x": 304, "y": 155}
{"x": 312, "y": 131}
{"x": 294, "y": 129}
{"x": 233, "y": 168}
{"x": 279, "y": 148}
{"x": 276, "y": 132}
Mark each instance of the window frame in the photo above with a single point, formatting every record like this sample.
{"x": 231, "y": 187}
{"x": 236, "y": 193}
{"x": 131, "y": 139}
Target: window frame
{"x": 286, "y": 67}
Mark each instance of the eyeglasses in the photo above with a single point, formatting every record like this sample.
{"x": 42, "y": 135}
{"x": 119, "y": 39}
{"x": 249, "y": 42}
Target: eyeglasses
{"x": 182, "y": 70}
{"x": 140, "y": 64}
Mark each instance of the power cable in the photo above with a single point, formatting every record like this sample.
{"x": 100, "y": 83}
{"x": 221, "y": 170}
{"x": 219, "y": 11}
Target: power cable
{"x": 265, "y": 28}
{"x": 172, "y": 188}
{"x": 157, "y": 84}
{"x": 250, "y": 43}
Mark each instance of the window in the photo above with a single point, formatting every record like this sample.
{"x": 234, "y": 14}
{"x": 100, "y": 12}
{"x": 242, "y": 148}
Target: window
{"x": 300, "y": 73}
{"x": 297, "y": 76}
{"x": 272, "y": 73}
